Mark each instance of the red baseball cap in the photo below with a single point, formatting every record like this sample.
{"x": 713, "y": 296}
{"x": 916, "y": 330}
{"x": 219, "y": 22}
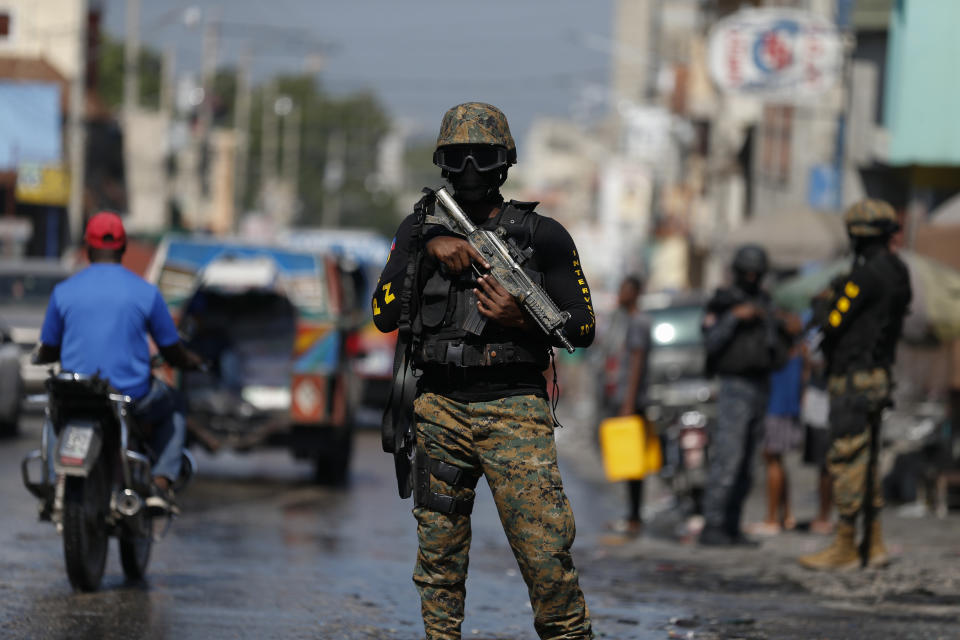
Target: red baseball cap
{"x": 105, "y": 231}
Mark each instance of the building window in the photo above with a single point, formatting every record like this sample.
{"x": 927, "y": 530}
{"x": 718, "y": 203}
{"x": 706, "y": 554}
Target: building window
{"x": 775, "y": 148}
{"x": 4, "y": 25}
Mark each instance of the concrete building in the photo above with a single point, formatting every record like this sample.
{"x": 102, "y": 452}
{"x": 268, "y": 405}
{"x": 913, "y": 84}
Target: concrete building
{"x": 40, "y": 43}
{"x": 906, "y": 145}
{"x": 46, "y": 29}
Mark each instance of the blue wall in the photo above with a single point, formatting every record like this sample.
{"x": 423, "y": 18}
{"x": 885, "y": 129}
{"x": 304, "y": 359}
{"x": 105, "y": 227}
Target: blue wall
{"x": 922, "y": 101}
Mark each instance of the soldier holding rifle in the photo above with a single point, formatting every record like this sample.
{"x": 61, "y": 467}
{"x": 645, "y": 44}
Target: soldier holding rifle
{"x": 481, "y": 291}
{"x": 862, "y": 318}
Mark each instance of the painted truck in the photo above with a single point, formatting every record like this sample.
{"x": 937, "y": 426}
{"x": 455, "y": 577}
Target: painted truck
{"x": 361, "y": 254}
{"x": 272, "y": 323}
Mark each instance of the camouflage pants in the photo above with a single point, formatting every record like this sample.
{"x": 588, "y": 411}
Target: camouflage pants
{"x": 856, "y": 401}
{"x": 511, "y": 442}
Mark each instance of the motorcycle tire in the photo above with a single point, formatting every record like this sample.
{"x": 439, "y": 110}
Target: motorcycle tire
{"x": 135, "y": 551}
{"x": 86, "y": 503}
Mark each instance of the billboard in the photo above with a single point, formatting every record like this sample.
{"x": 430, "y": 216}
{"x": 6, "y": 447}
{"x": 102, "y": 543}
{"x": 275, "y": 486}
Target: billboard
{"x": 782, "y": 53}
{"x": 30, "y": 124}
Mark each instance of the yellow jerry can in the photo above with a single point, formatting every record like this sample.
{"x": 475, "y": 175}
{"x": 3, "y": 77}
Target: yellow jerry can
{"x": 630, "y": 448}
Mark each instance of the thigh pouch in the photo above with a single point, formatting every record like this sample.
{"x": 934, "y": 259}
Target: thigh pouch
{"x": 452, "y": 475}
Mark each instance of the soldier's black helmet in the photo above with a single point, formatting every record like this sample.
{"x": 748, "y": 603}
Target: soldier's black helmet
{"x": 750, "y": 258}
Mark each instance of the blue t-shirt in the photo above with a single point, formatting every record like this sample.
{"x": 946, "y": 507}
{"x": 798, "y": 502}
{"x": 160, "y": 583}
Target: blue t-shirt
{"x": 100, "y": 319}
{"x": 785, "y": 388}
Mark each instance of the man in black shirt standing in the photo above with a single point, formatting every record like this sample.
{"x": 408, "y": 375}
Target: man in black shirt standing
{"x": 481, "y": 403}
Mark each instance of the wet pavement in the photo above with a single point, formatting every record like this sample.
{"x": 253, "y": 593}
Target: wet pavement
{"x": 262, "y": 553}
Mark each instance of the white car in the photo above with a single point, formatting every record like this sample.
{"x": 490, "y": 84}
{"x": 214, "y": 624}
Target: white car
{"x": 25, "y": 288}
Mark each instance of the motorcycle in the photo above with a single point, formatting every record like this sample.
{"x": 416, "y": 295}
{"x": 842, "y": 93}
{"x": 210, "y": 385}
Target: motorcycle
{"x": 102, "y": 464}
{"x": 683, "y": 410}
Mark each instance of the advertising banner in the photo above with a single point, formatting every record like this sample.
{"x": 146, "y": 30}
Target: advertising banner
{"x": 780, "y": 53}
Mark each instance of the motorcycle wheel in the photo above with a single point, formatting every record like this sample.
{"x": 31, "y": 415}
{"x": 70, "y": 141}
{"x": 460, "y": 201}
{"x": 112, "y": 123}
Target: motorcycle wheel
{"x": 135, "y": 551}
{"x": 331, "y": 465}
{"x": 86, "y": 503}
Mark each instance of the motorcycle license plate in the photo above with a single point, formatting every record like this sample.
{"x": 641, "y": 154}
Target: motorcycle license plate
{"x": 75, "y": 444}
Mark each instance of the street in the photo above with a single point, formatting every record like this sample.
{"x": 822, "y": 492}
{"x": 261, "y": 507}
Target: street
{"x": 261, "y": 553}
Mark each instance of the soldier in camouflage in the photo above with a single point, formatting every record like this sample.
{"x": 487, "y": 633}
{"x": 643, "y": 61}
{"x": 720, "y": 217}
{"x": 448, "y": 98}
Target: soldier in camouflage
{"x": 481, "y": 407}
{"x": 861, "y": 317}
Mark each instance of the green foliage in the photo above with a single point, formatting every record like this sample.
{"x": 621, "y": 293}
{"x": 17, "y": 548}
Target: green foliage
{"x": 418, "y": 163}
{"x": 224, "y": 97}
{"x": 360, "y": 118}
{"x": 362, "y": 121}
{"x": 110, "y": 72}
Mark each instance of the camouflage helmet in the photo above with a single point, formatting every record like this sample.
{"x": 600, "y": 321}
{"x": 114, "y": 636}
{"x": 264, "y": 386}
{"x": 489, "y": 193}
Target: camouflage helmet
{"x": 869, "y": 218}
{"x": 476, "y": 123}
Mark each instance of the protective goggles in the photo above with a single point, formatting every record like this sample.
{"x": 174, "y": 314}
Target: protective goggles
{"x": 485, "y": 157}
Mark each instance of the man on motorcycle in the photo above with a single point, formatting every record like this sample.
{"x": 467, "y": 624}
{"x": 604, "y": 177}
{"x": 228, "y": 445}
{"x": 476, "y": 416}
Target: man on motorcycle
{"x": 97, "y": 322}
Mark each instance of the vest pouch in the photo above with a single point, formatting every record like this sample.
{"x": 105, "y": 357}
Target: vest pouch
{"x": 435, "y": 298}
{"x": 748, "y": 353}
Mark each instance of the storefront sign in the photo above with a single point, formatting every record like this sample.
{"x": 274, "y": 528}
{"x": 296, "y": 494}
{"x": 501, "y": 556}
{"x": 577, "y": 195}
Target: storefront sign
{"x": 775, "y": 52}
{"x": 44, "y": 185}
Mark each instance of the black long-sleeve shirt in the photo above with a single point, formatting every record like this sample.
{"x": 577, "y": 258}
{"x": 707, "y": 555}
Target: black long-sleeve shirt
{"x": 563, "y": 280}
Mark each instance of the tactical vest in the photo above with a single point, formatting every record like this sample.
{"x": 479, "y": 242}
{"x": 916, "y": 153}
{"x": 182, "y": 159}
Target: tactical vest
{"x": 871, "y": 339}
{"x": 448, "y": 308}
{"x": 757, "y": 347}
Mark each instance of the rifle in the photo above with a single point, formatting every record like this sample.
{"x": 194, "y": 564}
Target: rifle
{"x": 505, "y": 260}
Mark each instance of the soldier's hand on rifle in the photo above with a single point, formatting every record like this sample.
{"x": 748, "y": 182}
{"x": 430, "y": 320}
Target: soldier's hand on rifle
{"x": 494, "y": 302}
{"x": 455, "y": 253}
{"x": 747, "y": 311}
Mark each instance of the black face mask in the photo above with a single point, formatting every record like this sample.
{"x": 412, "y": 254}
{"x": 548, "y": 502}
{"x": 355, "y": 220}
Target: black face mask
{"x": 748, "y": 285}
{"x": 471, "y": 185}
{"x": 869, "y": 244}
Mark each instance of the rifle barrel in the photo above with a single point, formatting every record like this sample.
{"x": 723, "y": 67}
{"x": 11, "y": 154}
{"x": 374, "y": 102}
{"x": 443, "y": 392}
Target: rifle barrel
{"x": 445, "y": 199}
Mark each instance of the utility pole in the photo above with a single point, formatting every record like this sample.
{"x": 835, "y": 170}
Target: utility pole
{"x": 131, "y": 100}
{"x": 168, "y": 80}
{"x": 131, "y": 59}
{"x": 209, "y": 70}
{"x": 333, "y": 176}
{"x": 77, "y": 124}
{"x": 268, "y": 138}
{"x": 241, "y": 125}
{"x": 291, "y": 152}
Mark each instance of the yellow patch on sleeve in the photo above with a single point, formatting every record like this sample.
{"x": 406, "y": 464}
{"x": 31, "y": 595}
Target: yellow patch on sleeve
{"x": 835, "y": 318}
{"x": 852, "y": 290}
{"x": 388, "y": 297}
{"x": 843, "y": 304}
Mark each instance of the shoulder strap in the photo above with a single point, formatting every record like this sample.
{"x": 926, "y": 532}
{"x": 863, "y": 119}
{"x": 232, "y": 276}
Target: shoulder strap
{"x": 421, "y": 210}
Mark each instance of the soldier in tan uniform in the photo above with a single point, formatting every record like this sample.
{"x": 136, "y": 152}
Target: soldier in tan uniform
{"x": 861, "y": 321}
